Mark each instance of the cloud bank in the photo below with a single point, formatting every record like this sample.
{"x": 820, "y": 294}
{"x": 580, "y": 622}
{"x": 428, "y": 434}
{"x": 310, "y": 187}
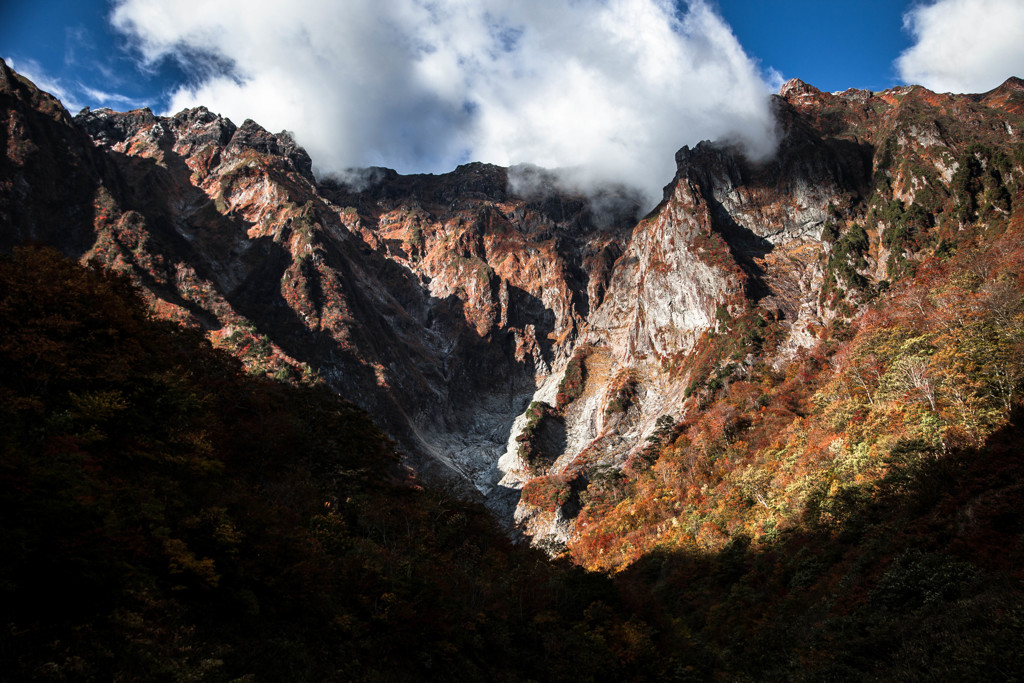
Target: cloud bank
{"x": 964, "y": 46}
{"x": 612, "y": 87}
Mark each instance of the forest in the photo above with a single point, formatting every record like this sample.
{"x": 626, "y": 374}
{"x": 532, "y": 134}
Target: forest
{"x": 170, "y": 516}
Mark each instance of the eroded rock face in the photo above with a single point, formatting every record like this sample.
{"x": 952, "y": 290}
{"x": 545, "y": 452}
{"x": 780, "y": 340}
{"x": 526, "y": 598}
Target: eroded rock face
{"x": 49, "y": 170}
{"x": 445, "y": 304}
{"x": 436, "y": 303}
{"x": 521, "y": 271}
{"x": 735, "y": 241}
{"x": 389, "y": 294}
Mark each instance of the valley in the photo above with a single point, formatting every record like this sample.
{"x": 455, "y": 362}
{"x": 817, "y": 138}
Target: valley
{"x": 782, "y": 405}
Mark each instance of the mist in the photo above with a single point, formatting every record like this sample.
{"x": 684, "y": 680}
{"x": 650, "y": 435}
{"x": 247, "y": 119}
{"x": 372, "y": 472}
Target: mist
{"x": 964, "y": 46}
{"x": 609, "y": 88}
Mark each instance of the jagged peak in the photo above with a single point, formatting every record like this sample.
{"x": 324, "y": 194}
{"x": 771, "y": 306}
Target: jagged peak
{"x": 705, "y": 152}
{"x": 795, "y": 86}
{"x": 251, "y": 135}
{"x": 12, "y": 82}
{"x": 199, "y": 113}
{"x": 1009, "y": 96}
{"x": 857, "y": 94}
{"x": 478, "y": 167}
{"x": 1010, "y": 85}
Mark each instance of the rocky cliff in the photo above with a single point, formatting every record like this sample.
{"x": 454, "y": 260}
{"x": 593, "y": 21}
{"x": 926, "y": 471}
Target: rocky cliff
{"x": 746, "y": 264}
{"x": 436, "y": 303}
{"x": 502, "y": 325}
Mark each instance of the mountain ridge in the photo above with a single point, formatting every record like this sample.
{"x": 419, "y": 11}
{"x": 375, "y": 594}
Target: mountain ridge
{"x": 490, "y": 290}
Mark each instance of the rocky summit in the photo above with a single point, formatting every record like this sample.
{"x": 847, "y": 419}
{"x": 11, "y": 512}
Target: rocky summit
{"x": 782, "y": 408}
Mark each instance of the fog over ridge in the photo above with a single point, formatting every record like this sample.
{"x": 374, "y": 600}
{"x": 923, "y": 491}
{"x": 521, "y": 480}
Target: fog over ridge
{"x": 613, "y": 87}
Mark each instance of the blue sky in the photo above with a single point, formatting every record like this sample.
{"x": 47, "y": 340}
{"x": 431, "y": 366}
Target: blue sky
{"x": 609, "y": 87}
{"x": 831, "y": 44}
{"x": 71, "y": 47}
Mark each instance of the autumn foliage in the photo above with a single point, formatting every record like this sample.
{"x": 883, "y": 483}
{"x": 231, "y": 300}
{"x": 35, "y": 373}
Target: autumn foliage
{"x": 574, "y": 379}
{"x": 548, "y": 492}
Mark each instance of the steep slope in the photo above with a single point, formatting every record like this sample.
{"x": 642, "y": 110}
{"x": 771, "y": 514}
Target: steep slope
{"x": 169, "y": 517}
{"x": 524, "y": 268}
{"x": 744, "y": 268}
{"x": 497, "y": 321}
{"x": 49, "y": 172}
{"x": 225, "y": 228}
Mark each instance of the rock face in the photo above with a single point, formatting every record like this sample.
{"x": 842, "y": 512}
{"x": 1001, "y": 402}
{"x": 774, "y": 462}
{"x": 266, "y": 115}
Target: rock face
{"x": 789, "y": 245}
{"x": 436, "y": 303}
{"x": 445, "y": 305}
{"x": 49, "y": 171}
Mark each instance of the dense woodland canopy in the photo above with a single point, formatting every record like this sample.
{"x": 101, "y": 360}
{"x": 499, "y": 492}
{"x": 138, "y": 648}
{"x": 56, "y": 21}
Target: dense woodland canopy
{"x": 168, "y": 516}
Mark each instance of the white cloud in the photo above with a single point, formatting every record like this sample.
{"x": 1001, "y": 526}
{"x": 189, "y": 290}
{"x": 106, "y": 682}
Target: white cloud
{"x": 615, "y": 86}
{"x": 964, "y": 46}
{"x": 110, "y": 99}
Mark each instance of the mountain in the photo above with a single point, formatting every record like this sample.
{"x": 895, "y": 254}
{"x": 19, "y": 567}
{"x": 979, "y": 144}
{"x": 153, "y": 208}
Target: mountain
{"x": 782, "y": 408}
{"x": 401, "y": 297}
